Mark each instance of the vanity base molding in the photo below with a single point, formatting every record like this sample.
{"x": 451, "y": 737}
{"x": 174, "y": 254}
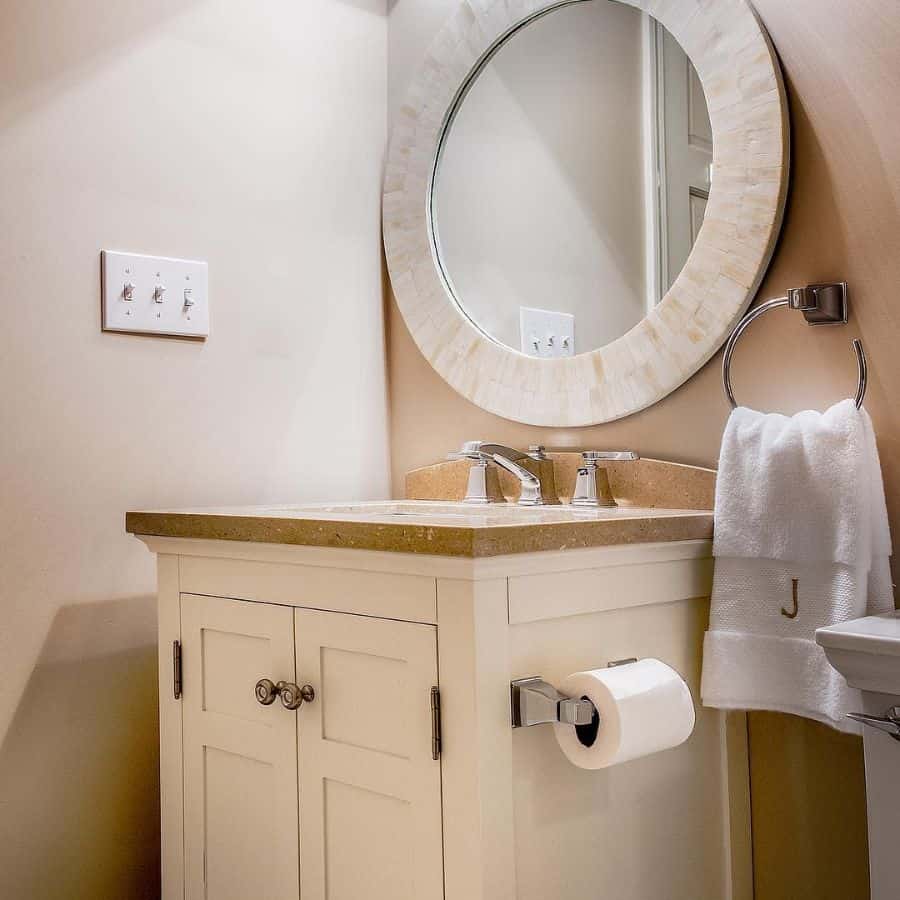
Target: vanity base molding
{"x": 350, "y": 777}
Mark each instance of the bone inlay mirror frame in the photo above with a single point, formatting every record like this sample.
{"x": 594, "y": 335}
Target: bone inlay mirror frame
{"x": 745, "y": 94}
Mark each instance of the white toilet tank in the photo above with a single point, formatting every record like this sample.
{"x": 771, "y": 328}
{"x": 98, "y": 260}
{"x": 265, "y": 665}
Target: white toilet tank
{"x": 867, "y": 653}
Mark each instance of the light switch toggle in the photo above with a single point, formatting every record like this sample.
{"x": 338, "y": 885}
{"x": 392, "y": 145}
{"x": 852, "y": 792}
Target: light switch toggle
{"x": 546, "y": 333}
{"x": 146, "y": 295}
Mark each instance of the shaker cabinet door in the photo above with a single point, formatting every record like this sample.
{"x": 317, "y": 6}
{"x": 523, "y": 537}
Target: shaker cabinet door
{"x": 370, "y": 790}
{"x": 240, "y": 757}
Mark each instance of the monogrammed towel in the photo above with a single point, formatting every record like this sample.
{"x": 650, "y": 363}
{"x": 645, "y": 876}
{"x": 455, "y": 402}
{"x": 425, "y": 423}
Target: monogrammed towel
{"x": 801, "y": 541}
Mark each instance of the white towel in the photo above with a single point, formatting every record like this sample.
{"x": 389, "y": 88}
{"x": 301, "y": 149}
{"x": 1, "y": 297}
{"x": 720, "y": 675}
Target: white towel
{"x": 801, "y": 541}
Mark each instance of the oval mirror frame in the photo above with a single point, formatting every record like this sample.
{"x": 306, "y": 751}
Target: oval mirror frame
{"x": 742, "y": 80}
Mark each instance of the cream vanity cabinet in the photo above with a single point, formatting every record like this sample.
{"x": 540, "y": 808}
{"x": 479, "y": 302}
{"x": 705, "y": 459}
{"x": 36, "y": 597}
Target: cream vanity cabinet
{"x": 374, "y": 790}
{"x": 339, "y": 798}
{"x": 359, "y": 755}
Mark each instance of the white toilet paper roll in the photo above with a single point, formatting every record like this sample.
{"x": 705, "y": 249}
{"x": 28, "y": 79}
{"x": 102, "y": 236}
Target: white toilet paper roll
{"x": 644, "y": 707}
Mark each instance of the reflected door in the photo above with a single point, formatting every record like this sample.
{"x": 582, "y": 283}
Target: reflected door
{"x": 240, "y": 758}
{"x": 686, "y": 155}
{"x": 370, "y": 791}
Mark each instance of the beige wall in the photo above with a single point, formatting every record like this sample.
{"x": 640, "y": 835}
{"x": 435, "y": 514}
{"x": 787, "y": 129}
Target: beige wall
{"x": 843, "y": 222}
{"x": 246, "y": 134}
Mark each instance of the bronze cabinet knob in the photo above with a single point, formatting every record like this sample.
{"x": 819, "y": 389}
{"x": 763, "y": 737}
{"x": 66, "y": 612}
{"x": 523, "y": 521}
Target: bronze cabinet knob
{"x": 293, "y": 697}
{"x": 266, "y": 691}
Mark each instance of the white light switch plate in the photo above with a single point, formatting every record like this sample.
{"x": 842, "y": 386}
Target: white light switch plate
{"x": 547, "y": 334}
{"x": 182, "y": 310}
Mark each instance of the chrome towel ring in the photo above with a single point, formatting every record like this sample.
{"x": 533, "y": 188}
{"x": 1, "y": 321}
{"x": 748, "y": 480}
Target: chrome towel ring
{"x": 821, "y": 304}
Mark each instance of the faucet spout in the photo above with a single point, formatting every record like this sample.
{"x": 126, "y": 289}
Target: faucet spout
{"x": 507, "y": 458}
{"x": 531, "y": 485}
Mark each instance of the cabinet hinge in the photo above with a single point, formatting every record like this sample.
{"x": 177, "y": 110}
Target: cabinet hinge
{"x": 435, "y": 723}
{"x": 176, "y": 669}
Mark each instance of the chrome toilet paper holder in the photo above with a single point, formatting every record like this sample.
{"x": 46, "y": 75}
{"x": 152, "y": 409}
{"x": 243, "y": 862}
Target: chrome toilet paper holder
{"x": 536, "y": 702}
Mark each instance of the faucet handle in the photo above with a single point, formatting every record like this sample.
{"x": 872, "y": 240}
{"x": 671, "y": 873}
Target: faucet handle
{"x": 592, "y": 482}
{"x": 592, "y": 457}
{"x": 470, "y": 450}
{"x": 483, "y": 485}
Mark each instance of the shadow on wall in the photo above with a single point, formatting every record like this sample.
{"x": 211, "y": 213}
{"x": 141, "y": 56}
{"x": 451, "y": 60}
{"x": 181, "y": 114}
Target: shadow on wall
{"x": 79, "y": 817}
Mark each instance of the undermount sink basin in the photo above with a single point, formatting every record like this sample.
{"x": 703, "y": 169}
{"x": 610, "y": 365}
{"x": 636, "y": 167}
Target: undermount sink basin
{"x": 467, "y": 515}
{"x": 464, "y": 514}
{"x": 865, "y": 651}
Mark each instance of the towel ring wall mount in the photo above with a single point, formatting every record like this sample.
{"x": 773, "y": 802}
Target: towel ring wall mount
{"x": 821, "y": 304}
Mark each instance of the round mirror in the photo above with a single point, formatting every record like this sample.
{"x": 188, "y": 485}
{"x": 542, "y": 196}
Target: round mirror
{"x": 572, "y": 179}
{"x": 581, "y": 198}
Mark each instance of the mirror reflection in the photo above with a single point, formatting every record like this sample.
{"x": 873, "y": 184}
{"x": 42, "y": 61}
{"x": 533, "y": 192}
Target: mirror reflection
{"x": 572, "y": 179}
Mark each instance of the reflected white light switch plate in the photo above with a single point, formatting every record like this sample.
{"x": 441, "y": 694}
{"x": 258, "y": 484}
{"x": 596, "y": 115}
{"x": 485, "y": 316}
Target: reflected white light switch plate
{"x": 154, "y": 295}
{"x": 547, "y": 334}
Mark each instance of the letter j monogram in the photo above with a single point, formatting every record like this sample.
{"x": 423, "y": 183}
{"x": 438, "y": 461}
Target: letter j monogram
{"x": 795, "y": 585}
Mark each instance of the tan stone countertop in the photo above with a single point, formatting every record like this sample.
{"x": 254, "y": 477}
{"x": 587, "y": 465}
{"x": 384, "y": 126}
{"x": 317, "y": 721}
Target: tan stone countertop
{"x": 429, "y": 527}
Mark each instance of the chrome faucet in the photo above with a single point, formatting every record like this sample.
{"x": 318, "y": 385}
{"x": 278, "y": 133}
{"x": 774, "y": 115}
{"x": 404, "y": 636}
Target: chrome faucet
{"x": 533, "y": 486}
{"x": 592, "y": 483}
